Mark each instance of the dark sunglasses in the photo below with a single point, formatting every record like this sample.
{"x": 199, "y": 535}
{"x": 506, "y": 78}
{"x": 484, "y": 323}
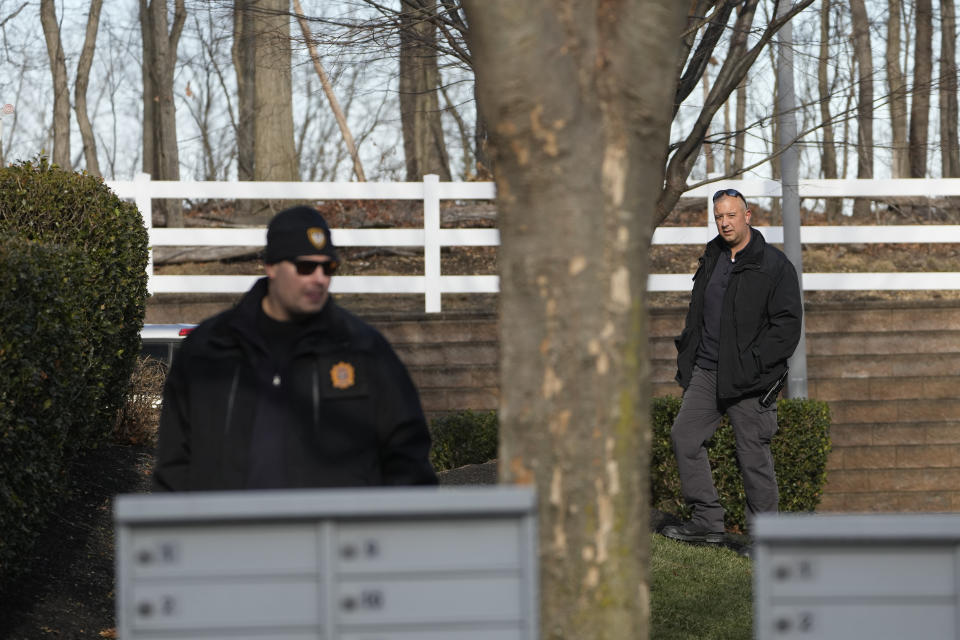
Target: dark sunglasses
{"x": 307, "y": 267}
{"x": 732, "y": 193}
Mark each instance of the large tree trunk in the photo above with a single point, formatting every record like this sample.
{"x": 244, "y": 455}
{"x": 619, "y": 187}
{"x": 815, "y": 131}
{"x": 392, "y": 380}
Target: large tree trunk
{"x": 80, "y": 89}
{"x": 423, "y": 144}
{"x": 578, "y": 152}
{"x": 242, "y": 51}
{"x": 828, "y": 149}
{"x": 863, "y": 53}
{"x": 897, "y": 86}
{"x": 949, "y": 144}
{"x": 161, "y": 157}
{"x": 273, "y": 140}
{"x": 61, "y": 90}
{"x": 920, "y": 107}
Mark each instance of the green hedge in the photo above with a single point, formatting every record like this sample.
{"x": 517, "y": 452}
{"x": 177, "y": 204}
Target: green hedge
{"x": 45, "y": 204}
{"x": 800, "y": 451}
{"x": 72, "y": 299}
{"x": 43, "y": 390}
{"x": 799, "y": 448}
{"x": 463, "y": 438}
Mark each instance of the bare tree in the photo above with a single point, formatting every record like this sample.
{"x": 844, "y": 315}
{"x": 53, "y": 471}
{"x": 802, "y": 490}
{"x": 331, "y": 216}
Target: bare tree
{"x": 80, "y": 88}
{"x": 273, "y": 141}
{"x": 243, "y": 52}
{"x": 828, "y": 150}
{"x": 8, "y": 128}
{"x": 61, "y": 91}
{"x": 589, "y": 136}
{"x": 865, "y": 106}
{"x": 208, "y": 95}
{"x": 161, "y": 158}
{"x": 897, "y": 86}
{"x": 920, "y": 105}
{"x": 712, "y": 16}
{"x": 423, "y": 141}
{"x": 328, "y": 91}
{"x": 949, "y": 144}
{"x": 740, "y": 135}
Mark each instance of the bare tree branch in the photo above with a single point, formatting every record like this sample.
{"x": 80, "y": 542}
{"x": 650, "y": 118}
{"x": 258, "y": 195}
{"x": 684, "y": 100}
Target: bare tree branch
{"x": 331, "y": 96}
{"x": 13, "y": 15}
{"x": 80, "y": 88}
{"x": 734, "y": 69}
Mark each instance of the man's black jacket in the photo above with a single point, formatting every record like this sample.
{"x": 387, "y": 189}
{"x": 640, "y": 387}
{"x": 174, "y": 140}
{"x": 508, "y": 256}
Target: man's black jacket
{"x": 760, "y": 321}
{"x": 341, "y": 411}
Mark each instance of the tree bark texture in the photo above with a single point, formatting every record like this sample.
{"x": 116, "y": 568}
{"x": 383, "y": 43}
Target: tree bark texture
{"x": 949, "y": 114}
{"x": 897, "y": 87}
{"x": 920, "y": 106}
{"x": 273, "y": 140}
{"x": 161, "y": 157}
{"x": 61, "y": 90}
{"x": 423, "y": 141}
{"x": 863, "y": 55}
{"x": 579, "y": 122}
{"x": 828, "y": 149}
{"x": 242, "y": 53}
{"x": 80, "y": 89}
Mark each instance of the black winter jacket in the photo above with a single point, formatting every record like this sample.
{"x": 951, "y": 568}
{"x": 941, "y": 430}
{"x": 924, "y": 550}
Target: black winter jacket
{"x": 760, "y": 322}
{"x": 346, "y": 410}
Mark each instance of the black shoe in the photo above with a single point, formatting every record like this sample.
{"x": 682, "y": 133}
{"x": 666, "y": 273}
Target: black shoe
{"x": 690, "y": 532}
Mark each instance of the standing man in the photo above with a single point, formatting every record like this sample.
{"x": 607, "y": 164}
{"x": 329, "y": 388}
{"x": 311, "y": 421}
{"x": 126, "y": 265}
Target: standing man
{"x": 742, "y": 325}
{"x": 288, "y": 390}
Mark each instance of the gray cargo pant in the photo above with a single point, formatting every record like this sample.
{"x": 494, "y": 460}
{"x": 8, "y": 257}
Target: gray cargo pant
{"x": 753, "y": 427}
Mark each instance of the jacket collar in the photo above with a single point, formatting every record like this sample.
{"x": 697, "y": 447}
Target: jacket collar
{"x": 241, "y": 324}
{"x": 751, "y": 253}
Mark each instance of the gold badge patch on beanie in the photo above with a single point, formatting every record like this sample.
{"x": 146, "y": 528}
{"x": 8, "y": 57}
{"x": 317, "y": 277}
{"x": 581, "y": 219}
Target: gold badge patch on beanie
{"x": 317, "y": 237}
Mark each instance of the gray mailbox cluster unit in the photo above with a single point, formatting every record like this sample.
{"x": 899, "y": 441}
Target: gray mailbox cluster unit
{"x": 354, "y": 564}
{"x": 849, "y": 576}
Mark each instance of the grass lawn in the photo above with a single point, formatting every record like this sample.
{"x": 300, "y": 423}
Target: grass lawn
{"x": 699, "y": 592}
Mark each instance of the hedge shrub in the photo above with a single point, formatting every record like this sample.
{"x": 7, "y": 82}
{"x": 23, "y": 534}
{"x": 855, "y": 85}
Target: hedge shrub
{"x": 799, "y": 448}
{"x": 43, "y": 392}
{"x": 463, "y": 438}
{"x": 43, "y": 203}
{"x": 72, "y": 300}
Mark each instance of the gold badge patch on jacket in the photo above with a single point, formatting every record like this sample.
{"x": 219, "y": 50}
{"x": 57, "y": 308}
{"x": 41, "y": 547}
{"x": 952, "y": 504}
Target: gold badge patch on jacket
{"x": 343, "y": 375}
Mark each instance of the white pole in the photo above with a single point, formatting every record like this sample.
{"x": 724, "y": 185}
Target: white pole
{"x": 431, "y": 242}
{"x": 790, "y": 191}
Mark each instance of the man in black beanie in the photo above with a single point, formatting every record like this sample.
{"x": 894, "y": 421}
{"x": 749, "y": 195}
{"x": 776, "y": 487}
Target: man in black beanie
{"x": 287, "y": 389}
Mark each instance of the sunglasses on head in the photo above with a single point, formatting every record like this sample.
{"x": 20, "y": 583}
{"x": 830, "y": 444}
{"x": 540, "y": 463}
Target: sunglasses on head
{"x": 307, "y": 267}
{"x": 731, "y": 193}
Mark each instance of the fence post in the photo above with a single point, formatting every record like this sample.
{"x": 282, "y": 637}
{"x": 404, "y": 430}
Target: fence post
{"x": 142, "y": 198}
{"x": 431, "y": 242}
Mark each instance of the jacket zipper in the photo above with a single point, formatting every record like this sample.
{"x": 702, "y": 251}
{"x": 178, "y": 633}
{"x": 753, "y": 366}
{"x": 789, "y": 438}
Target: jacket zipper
{"x": 316, "y": 394}
{"x": 231, "y": 398}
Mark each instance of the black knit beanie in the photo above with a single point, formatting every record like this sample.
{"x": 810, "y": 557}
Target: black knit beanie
{"x": 298, "y": 231}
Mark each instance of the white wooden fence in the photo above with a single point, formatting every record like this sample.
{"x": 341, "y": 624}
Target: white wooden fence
{"x": 432, "y": 284}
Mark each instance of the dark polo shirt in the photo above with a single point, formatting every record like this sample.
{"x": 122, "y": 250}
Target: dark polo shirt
{"x": 709, "y": 350}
